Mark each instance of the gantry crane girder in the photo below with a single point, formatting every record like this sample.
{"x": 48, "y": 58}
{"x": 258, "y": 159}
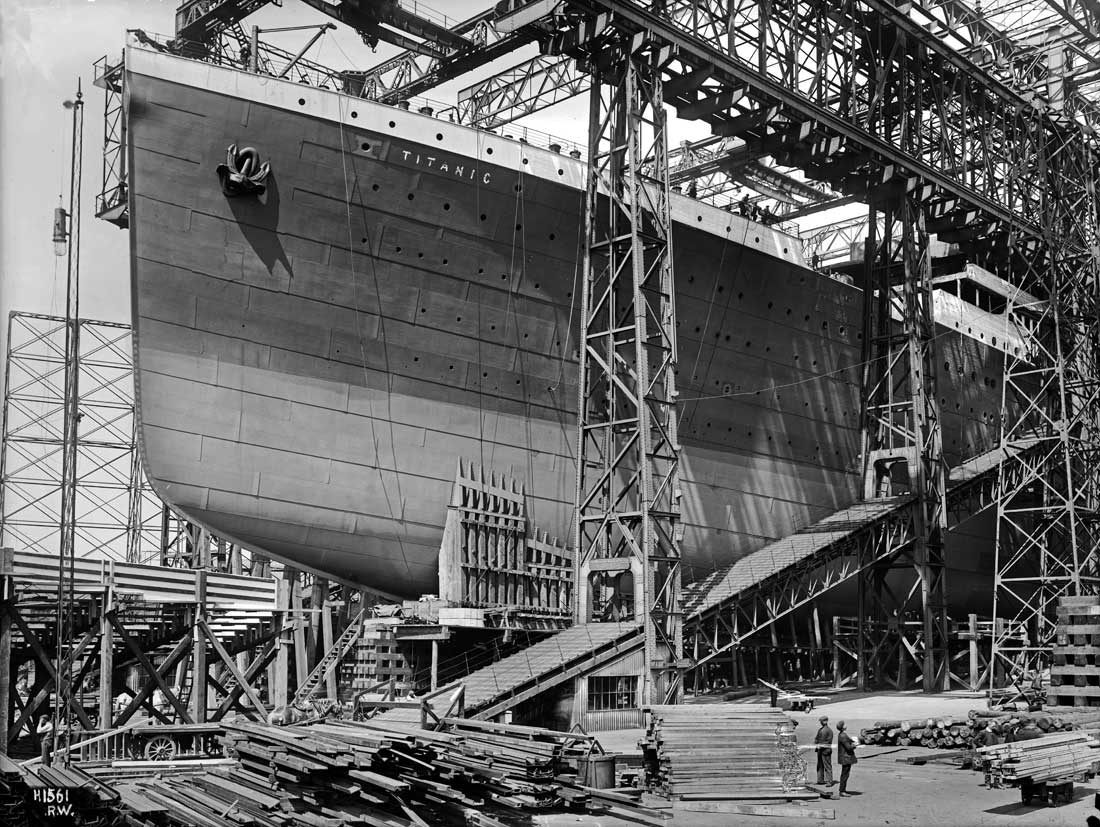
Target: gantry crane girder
{"x": 202, "y": 21}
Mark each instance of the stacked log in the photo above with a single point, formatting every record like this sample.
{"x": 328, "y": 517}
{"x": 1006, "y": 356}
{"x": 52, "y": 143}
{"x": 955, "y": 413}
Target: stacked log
{"x": 959, "y": 733}
{"x": 721, "y": 751}
{"x": 1043, "y": 759}
{"x": 938, "y": 733}
{"x": 332, "y": 773}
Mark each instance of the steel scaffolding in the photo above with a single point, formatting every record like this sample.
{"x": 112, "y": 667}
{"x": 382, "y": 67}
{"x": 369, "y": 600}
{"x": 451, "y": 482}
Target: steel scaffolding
{"x": 116, "y": 514}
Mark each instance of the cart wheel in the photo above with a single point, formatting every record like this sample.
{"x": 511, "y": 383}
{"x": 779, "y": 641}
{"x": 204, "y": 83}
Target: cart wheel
{"x": 160, "y": 748}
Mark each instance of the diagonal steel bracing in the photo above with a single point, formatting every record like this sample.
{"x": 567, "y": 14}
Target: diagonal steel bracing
{"x": 727, "y": 609}
{"x": 902, "y": 445}
{"x": 628, "y": 537}
{"x": 1047, "y": 520}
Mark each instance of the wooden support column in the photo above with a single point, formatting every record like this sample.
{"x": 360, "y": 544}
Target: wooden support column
{"x": 301, "y": 653}
{"x": 198, "y": 652}
{"x": 316, "y": 647}
{"x": 7, "y": 594}
{"x": 106, "y": 660}
{"x": 838, "y": 677}
{"x": 435, "y": 665}
{"x": 279, "y": 674}
{"x": 975, "y": 668}
{"x": 327, "y": 639}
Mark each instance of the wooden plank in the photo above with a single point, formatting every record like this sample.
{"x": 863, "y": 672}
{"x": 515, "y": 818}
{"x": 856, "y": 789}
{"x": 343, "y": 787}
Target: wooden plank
{"x": 775, "y": 810}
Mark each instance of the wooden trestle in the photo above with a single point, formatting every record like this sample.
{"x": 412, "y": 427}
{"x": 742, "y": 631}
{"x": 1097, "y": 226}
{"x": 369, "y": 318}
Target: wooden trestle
{"x": 210, "y": 642}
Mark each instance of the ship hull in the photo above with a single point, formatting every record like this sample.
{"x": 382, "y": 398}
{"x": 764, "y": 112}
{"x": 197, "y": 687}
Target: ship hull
{"x": 313, "y": 364}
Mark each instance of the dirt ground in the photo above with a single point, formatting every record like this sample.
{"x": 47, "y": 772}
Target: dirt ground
{"x": 886, "y": 790}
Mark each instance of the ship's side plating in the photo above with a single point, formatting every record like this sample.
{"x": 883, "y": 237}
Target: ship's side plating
{"x": 313, "y": 363}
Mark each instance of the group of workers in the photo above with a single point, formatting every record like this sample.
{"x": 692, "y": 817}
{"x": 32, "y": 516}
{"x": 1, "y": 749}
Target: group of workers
{"x": 845, "y": 754}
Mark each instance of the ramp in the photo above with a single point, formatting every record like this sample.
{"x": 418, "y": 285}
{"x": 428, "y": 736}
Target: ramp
{"x": 548, "y": 663}
{"x": 767, "y": 584}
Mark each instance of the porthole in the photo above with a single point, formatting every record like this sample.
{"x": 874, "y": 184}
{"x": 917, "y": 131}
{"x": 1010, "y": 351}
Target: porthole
{"x": 392, "y": 124}
{"x": 489, "y": 150}
{"x": 374, "y": 187}
{"x": 561, "y": 172}
{"x": 366, "y": 147}
{"x": 552, "y": 236}
{"x": 354, "y": 114}
{"x": 484, "y": 216}
{"x": 757, "y": 239}
{"x": 411, "y": 196}
{"x": 301, "y": 101}
{"x": 525, "y": 160}
{"x": 445, "y": 261}
{"x": 439, "y": 136}
{"x": 699, "y": 218}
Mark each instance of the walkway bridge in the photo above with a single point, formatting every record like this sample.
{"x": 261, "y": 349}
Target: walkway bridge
{"x": 734, "y": 602}
{"x": 739, "y": 600}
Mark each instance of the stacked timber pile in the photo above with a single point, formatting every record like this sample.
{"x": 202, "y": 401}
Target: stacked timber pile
{"x": 725, "y": 751}
{"x": 371, "y": 773}
{"x": 940, "y": 733}
{"x": 13, "y": 794}
{"x": 1058, "y": 756}
{"x": 1075, "y": 671}
{"x": 960, "y": 733}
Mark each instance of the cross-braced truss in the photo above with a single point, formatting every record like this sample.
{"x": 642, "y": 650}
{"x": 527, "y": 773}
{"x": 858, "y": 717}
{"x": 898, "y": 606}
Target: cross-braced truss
{"x": 901, "y": 430}
{"x": 1048, "y": 527}
{"x": 628, "y": 458}
{"x": 116, "y": 514}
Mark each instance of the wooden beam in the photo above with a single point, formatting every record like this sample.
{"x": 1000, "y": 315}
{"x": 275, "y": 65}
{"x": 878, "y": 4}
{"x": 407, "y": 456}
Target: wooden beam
{"x": 326, "y": 642}
{"x": 151, "y": 670}
{"x": 40, "y": 653}
{"x": 198, "y": 652}
{"x": 227, "y": 659}
{"x": 259, "y": 663}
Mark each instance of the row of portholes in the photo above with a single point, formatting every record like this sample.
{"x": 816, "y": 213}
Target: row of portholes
{"x": 989, "y": 382}
{"x": 748, "y": 434}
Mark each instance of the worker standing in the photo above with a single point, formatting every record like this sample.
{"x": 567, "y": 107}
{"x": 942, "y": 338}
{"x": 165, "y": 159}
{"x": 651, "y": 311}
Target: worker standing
{"x": 845, "y": 756}
{"x": 823, "y": 743}
{"x": 44, "y": 731}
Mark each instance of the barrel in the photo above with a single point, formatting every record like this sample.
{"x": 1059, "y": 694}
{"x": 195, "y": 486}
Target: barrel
{"x": 596, "y": 771}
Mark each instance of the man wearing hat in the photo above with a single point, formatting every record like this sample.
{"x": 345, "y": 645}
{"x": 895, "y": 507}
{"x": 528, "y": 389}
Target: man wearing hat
{"x": 845, "y": 756}
{"x": 823, "y": 743}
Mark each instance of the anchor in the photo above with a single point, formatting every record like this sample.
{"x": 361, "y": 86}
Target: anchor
{"x": 242, "y": 173}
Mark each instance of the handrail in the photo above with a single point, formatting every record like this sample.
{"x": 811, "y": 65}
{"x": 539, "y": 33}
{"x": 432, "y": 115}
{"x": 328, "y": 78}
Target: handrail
{"x": 95, "y": 740}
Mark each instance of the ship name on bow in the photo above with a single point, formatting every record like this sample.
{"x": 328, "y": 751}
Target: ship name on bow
{"x": 464, "y": 170}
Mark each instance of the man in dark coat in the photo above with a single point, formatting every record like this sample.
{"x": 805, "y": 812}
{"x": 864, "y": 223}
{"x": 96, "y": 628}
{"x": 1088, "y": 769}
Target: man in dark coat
{"x": 823, "y": 743}
{"x": 845, "y": 756}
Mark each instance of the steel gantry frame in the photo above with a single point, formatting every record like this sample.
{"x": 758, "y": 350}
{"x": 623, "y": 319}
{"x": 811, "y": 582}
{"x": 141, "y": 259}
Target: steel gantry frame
{"x": 628, "y": 449}
{"x": 901, "y": 431}
{"x": 1048, "y": 524}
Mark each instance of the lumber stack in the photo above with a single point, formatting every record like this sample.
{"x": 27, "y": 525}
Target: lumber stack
{"x": 1075, "y": 671}
{"x": 1043, "y": 759}
{"x": 959, "y": 733}
{"x": 721, "y": 751}
{"x": 938, "y": 733}
{"x": 382, "y": 774}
